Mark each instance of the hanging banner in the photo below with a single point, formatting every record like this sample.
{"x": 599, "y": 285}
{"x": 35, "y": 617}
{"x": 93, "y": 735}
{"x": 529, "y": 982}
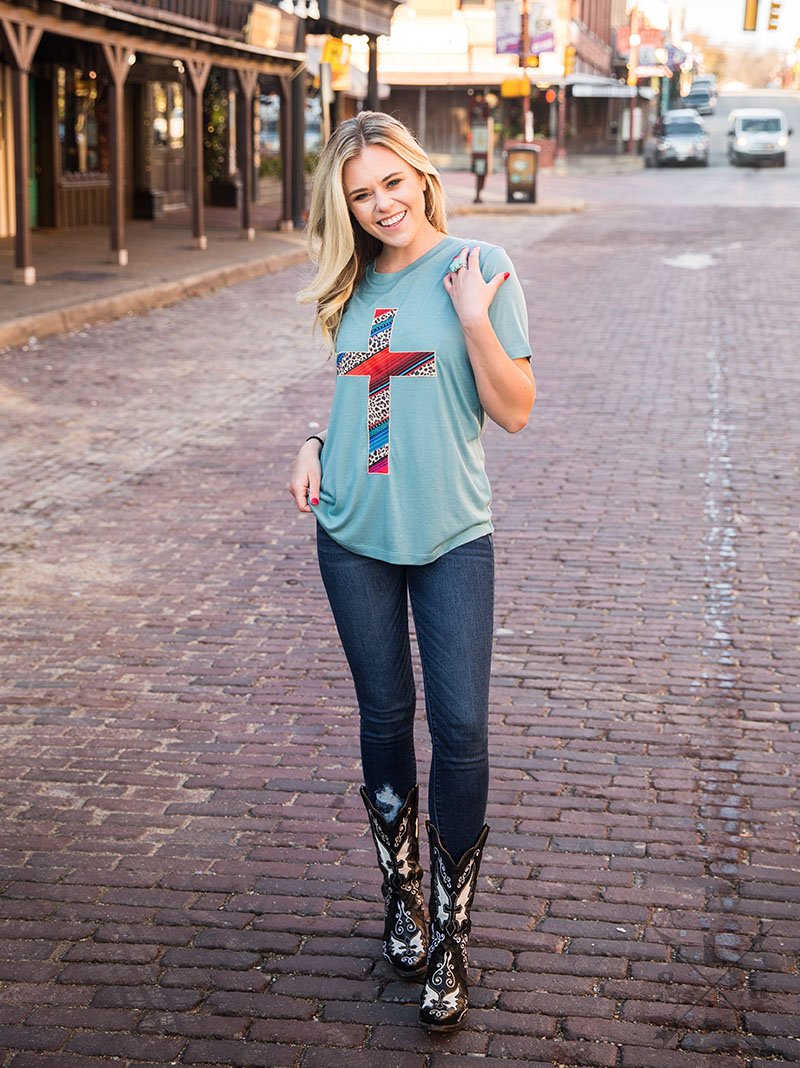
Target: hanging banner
{"x": 508, "y": 27}
{"x": 541, "y": 28}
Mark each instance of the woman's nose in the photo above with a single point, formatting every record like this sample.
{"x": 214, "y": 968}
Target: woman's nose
{"x": 383, "y": 199}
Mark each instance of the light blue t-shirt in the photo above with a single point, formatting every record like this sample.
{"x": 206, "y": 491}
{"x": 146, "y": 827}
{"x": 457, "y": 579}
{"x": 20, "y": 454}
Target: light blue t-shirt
{"x": 403, "y": 472}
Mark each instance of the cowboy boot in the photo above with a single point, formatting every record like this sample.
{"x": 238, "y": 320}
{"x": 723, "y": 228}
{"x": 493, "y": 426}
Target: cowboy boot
{"x": 405, "y": 931}
{"x": 445, "y": 999}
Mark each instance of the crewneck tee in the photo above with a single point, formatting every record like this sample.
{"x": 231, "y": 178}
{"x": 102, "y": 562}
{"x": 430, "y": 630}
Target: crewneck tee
{"x": 403, "y": 467}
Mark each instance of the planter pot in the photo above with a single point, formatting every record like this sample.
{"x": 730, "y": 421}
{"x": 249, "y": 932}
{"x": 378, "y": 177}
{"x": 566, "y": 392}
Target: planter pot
{"x": 547, "y": 150}
{"x": 225, "y": 192}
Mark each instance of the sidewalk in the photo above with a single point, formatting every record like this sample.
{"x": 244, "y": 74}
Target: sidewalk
{"x": 76, "y": 284}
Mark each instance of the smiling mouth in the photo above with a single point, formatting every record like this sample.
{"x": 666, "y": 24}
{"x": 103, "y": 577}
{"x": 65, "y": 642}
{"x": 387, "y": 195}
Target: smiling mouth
{"x": 393, "y": 220}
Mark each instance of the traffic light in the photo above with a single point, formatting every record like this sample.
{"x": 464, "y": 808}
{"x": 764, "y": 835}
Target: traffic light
{"x": 750, "y": 14}
{"x": 569, "y": 60}
{"x": 774, "y": 15}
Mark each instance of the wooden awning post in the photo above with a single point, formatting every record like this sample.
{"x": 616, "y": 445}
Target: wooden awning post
{"x": 118, "y": 61}
{"x": 244, "y": 148}
{"x": 198, "y": 71}
{"x": 22, "y": 41}
{"x": 298, "y": 150}
{"x": 286, "y": 222}
{"x": 373, "y": 98}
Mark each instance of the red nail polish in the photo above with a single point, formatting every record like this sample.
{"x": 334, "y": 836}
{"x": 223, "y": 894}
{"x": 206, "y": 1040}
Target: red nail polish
{"x": 315, "y": 500}
{"x": 506, "y": 275}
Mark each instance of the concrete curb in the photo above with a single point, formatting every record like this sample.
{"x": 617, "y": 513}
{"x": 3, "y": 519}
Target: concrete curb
{"x": 555, "y": 207}
{"x": 137, "y": 301}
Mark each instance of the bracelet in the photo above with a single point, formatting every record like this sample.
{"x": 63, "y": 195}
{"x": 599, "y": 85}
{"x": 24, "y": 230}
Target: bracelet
{"x": 316, "y": 437}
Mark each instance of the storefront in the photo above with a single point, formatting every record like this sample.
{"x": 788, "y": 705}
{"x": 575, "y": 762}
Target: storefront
{"x": 102, "y": 113}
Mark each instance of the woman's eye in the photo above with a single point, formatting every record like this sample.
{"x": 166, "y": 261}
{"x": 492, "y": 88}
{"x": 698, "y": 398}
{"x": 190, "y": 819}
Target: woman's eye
{"x": 393, "y": 182}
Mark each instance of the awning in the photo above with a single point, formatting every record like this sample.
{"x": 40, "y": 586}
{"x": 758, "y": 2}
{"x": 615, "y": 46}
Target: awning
{"x": 613, "y": 91}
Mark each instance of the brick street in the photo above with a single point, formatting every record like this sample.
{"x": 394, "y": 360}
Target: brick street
{"x": 186, "y": 876}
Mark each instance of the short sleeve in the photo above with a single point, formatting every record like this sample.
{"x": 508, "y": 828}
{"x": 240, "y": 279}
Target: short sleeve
{"x": 508, "y": 312}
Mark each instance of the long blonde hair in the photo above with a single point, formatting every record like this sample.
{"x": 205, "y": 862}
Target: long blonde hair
{"x": 338, "y": 246}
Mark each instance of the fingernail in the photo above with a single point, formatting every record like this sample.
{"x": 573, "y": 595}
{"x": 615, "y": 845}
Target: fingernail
{"x": 506, "y": 275}
{"x": 315, "y": 500}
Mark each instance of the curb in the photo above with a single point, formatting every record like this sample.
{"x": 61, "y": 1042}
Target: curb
{"x": 138, "y": 301}
{"x": 556, "y": 207}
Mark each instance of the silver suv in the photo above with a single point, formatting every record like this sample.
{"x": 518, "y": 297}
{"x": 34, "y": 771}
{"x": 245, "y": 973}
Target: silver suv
{"x": 680, "y": 138}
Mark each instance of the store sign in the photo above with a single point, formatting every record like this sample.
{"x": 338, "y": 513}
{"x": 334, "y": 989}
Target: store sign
{"x": 649, "y": 39}
{"x": 271, "y": 28}
{"x": 337, "y": 55}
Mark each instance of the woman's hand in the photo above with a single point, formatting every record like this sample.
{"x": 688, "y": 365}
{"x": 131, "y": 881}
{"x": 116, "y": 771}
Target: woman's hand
{"x": 505, "y": 387}
{"x": 471, "y": 296}
{"x": 306, "y": 475}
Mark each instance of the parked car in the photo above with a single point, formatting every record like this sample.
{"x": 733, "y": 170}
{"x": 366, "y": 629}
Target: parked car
{"x": 758, "y": 135}
{"x": 679, "y": 139}
{"x": 700, "y": 99}
{"x": 706, "y": 82}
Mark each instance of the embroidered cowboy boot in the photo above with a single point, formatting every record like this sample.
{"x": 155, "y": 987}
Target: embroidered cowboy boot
{"x": 405, "y": 931}
{"x": 445, "y": 998}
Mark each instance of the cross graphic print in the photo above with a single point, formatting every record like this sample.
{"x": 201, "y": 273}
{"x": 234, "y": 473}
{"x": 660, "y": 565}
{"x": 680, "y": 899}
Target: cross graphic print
{"x": 381, "y": 365}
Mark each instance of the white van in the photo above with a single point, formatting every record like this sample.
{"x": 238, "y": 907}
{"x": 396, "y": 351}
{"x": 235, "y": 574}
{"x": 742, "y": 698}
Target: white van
{"x": 757, "y": 135}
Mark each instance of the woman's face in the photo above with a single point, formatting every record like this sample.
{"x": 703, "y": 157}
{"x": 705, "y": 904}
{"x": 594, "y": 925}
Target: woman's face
{"x": 386, "y": 196}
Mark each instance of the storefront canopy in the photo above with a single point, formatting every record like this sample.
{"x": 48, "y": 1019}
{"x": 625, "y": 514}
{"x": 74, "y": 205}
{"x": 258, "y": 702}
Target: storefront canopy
{"x": 613, "y": 91}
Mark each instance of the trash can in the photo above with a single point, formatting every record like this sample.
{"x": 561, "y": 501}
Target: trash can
{"x": 522, "y": 166}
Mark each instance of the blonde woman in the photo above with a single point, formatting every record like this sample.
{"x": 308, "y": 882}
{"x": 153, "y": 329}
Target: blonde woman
{"x": 430, "y": 336}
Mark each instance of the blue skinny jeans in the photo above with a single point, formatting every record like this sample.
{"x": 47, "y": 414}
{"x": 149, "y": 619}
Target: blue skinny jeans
{"x": 452, "y": 600}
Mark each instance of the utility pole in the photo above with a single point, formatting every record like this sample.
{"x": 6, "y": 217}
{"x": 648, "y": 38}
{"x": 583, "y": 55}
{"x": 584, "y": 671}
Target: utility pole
{"x": 633, "y": 81}
{"x": 524, "y": 40}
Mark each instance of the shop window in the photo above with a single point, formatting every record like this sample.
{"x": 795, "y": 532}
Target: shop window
{"x": 168, "y": 115}
{"x": 82, "y": 122}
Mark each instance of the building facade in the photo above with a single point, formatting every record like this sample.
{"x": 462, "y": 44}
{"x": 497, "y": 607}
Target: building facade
{"x": 442, "y": 58}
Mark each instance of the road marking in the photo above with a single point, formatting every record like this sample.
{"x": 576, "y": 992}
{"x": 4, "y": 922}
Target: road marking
{"x": 691, "y": 261}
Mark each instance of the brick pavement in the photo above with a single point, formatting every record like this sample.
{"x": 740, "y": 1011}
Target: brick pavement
{"x": 185, "y": 875}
